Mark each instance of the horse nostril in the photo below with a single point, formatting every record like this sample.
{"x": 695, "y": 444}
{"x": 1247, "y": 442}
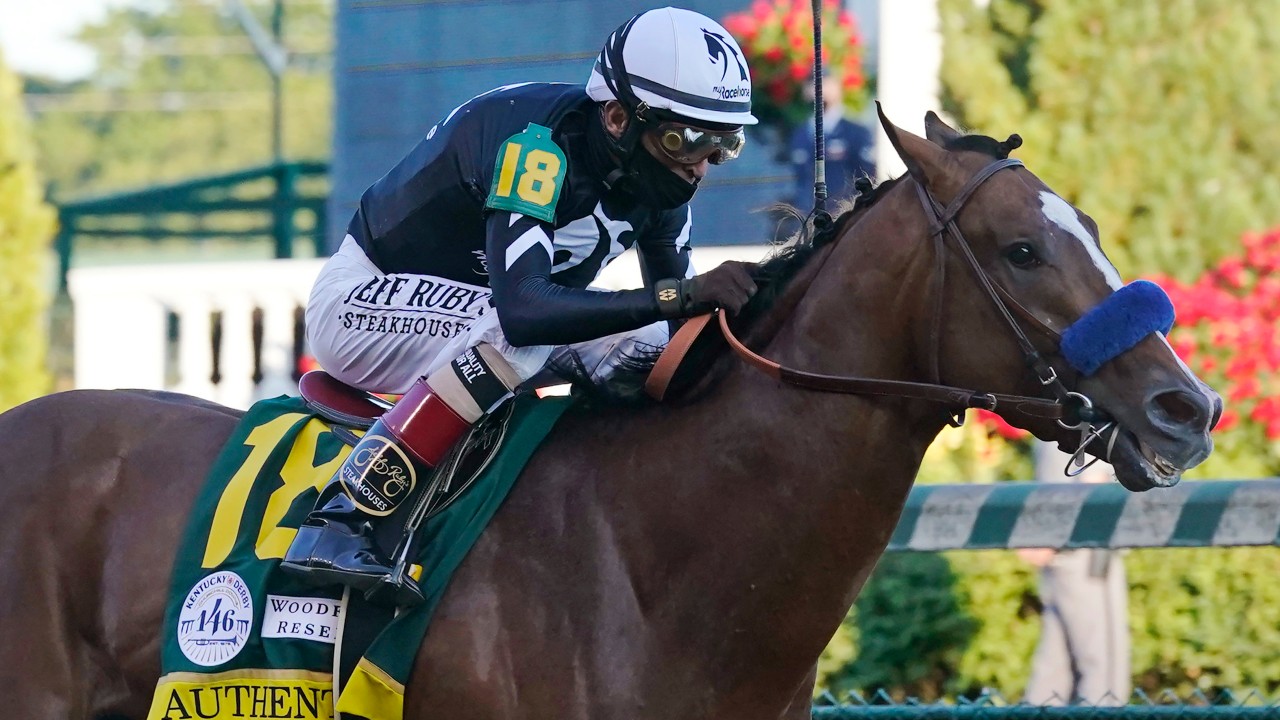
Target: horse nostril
{"x": 1182, "y": 408}
{"x": 1217, "y": 411}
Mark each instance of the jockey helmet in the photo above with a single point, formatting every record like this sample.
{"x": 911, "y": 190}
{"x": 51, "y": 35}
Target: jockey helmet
{"x": 676, "y": 66}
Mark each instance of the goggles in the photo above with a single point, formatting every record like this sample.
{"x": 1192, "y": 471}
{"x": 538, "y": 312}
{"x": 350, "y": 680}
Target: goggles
{"x": 690, "y": 145}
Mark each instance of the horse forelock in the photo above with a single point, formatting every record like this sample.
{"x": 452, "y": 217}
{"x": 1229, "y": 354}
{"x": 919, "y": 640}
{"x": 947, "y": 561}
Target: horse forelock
{"x": 981, "y": 144}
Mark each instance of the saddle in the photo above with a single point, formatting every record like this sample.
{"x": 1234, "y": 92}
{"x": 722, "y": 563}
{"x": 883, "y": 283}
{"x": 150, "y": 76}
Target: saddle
{"x": 340, "y": 403}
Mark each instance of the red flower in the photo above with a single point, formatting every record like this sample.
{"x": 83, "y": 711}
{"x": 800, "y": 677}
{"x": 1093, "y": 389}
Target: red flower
{"x": 307, "y": 363}
{"x": 742, "y": 26}
{"x": 1245, "y": 390}
{"x": 1229, "y": 331}
{"x": 1183, "y": 344}
{"x": 999, "y": 426}
{"x": 776, "y": 34}
{"x": 1232, "y": 272}
{"x": 1267, "y": 410}
{"x": 791, "y": 22}
{"x": 779, "y": 91}
{"x": 800, "y": 44}
{"x": 1273, "y": 430}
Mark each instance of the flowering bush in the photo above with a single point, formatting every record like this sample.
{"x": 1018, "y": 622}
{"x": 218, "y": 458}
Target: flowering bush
{"x": 777, "y": 38}
{"x": 1228, "y": 332}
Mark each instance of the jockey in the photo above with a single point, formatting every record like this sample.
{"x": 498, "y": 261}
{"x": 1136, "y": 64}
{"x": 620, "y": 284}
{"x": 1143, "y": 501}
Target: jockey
{"x": 465, "y": 268}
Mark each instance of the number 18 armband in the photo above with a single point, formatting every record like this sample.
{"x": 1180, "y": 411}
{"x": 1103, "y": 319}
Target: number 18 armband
{"x": 528, "y": 174}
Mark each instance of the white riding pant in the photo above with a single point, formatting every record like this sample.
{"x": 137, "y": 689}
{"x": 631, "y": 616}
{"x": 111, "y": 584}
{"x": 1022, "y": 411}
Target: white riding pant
{"x": 380, "y": 332}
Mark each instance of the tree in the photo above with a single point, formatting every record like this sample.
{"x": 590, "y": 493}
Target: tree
{"x": 1155, "y": 117}
{"x": 179, "y": 92}
{"x": 26, "y": 224}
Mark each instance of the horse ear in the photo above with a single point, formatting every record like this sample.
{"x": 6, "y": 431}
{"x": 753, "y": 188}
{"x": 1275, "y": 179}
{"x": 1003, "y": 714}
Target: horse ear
{"x": 938, "y": 132}
{"x": 923, "y": 159}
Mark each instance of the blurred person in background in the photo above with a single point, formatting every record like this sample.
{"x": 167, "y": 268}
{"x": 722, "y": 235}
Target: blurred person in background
{"x": 1084, "y": 649}
{"x": 848, "y": 146}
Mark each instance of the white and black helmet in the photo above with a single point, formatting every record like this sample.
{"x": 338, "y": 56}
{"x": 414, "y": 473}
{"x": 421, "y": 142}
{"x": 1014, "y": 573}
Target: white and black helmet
{"x": 677, "y": 62}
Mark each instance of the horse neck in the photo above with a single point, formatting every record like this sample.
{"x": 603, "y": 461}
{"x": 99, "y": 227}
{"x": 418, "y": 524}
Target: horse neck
{"x": 807, "y": 486}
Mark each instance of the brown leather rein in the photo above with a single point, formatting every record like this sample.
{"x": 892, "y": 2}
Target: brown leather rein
{"x": 1071, "y": 409}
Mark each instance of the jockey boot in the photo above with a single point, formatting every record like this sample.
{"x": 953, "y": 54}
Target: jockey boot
{"x": 335, "y": 544}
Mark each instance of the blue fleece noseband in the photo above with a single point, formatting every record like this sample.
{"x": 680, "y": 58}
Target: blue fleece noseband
{"x": 1117, "y": 324}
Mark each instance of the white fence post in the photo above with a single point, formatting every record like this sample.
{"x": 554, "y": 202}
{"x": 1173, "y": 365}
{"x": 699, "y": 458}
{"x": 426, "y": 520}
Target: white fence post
{"x": 122, "y": 326}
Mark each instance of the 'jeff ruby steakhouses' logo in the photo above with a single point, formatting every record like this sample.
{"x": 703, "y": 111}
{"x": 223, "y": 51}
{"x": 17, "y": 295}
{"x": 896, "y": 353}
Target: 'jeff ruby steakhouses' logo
{"x": 378, "y": 475}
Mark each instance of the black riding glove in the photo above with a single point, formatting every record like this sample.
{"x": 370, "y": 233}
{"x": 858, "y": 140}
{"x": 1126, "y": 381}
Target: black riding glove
{"x": 728, "y": 286}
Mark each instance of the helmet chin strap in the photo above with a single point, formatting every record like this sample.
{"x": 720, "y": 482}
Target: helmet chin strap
{"x": 620, "y": 85}
{"x": 625, "y": 146}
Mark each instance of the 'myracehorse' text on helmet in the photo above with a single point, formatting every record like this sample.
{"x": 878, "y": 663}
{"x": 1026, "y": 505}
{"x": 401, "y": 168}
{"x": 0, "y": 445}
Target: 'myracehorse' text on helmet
{"x": 681, "y": 64}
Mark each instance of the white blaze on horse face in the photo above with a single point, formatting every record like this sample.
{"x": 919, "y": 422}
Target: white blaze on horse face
{"x": 1188, "y": 372}
{"x": 1060, "y": 213}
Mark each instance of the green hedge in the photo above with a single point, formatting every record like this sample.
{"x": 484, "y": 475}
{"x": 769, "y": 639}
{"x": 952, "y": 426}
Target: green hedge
{"x": 932, "y": 625}
{"x": 26, "y": 225}
{"x": 1156, "y": 117}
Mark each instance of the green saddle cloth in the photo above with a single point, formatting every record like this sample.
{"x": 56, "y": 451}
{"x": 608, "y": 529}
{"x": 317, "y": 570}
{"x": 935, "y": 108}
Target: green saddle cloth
{"x": 245, "y": 641}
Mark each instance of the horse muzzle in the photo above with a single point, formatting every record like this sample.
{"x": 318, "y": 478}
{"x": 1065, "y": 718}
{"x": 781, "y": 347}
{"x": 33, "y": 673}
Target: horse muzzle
{"x": 1174, "y": 436}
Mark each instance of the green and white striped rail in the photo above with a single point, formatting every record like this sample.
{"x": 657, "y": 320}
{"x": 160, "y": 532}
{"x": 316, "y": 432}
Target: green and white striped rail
{"x": 990, "y": 705}
{"x": 1211, "y": 513}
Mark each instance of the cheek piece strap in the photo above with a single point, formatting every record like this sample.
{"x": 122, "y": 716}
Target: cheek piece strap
{"x": 1116, "y": 324}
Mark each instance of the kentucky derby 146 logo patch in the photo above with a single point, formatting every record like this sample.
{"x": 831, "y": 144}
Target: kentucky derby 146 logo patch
{"x": 216, "y": 619}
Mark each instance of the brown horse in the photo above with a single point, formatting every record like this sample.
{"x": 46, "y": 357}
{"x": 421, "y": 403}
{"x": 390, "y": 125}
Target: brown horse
{"x": 675, "y": 560}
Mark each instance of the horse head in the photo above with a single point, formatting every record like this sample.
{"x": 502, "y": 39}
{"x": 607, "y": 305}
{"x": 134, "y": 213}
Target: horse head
{"x": 1020, "y": 299}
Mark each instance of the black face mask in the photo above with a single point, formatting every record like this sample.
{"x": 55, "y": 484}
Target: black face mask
{"x": 655, "y": 185}
{"x": 640, "y": 176}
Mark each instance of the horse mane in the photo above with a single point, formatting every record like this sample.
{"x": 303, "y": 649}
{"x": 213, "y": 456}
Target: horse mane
{"x": 626, "y": 385}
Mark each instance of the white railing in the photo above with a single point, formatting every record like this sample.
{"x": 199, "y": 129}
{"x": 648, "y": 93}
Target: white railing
{"x": 123, "y": 338}
{"x": 190, "y": 327}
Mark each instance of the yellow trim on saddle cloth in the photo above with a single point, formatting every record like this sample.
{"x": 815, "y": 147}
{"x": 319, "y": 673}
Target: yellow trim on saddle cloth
{"x": 250, "y": 694}
{"x": 372, "y": 693}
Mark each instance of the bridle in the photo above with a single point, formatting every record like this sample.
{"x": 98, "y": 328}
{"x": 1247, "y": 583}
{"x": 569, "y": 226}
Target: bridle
{"x": 1072, "y": 410}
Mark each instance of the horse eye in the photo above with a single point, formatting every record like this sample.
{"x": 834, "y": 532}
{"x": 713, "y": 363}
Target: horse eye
{"x": 1022, "y": 255}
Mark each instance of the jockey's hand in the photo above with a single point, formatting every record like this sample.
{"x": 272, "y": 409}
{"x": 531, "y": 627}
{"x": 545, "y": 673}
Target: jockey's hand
{"x": 728, "y": 286}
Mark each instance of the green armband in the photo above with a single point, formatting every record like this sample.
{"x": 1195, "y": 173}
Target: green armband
{"x": 528, "y": 174}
